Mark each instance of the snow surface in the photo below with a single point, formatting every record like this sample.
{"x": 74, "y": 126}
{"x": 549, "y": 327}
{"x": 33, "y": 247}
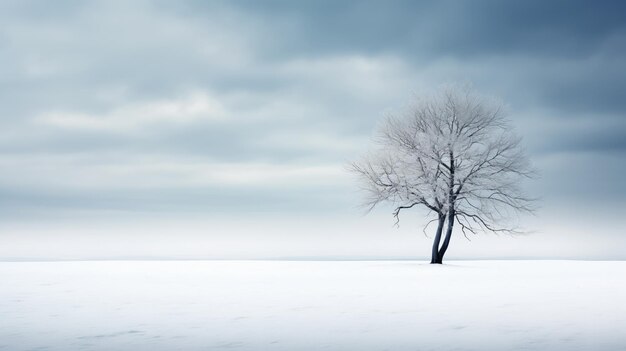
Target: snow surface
{"x": 312, "y": 305}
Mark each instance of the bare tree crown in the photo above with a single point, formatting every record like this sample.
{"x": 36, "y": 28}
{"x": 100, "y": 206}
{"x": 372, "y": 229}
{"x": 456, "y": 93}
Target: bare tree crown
{"x": 454, "y": 153}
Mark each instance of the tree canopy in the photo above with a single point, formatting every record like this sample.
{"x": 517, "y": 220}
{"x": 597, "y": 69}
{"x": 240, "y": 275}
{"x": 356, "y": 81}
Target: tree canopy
{"x": 455, "y": 154}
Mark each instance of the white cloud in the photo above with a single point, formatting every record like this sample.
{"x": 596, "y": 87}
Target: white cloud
{"x": 81, "y": 173}
{"x": 197, "y": 106}
{"x": 371, "y": 77}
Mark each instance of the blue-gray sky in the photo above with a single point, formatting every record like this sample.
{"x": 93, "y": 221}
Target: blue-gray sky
{"x": 117, "y": 114}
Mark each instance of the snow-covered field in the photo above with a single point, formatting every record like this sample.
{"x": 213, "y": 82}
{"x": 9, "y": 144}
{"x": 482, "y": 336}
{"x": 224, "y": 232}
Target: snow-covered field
{"x": 312, "y": 305}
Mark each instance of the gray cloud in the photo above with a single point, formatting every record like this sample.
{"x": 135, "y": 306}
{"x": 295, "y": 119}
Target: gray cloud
{"x": 294, "y": 84}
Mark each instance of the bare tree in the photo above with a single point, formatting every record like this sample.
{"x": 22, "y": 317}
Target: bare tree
{"x": 454, "y": 154}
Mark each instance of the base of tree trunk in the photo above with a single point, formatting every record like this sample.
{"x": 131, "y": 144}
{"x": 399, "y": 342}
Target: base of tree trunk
{"x": 436, "y": 260}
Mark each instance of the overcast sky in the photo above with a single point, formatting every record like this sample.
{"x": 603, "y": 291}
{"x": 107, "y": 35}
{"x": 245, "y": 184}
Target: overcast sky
{"x": 228, "y": 124}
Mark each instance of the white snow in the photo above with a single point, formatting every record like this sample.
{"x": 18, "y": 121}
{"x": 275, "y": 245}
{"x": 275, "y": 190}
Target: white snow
{"x": 313, "y": 305}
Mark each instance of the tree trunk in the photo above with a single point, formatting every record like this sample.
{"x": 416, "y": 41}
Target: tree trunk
{"x": 446, "y": 240}
{"x": 451, "y": 200}
{"x": 435, "y": 253}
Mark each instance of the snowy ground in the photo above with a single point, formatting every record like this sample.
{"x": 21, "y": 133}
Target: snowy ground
{"x": 307, "y": 305}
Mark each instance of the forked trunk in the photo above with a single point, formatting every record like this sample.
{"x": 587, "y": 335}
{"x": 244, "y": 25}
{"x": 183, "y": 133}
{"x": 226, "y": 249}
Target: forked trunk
{"x": 446, "y": 240}
{"x": 451, "y": 213}
{"x": 435, "y": 253}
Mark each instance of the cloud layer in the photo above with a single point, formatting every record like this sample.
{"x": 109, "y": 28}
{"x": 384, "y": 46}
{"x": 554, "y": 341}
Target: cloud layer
{"x": 250, "y": 106}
